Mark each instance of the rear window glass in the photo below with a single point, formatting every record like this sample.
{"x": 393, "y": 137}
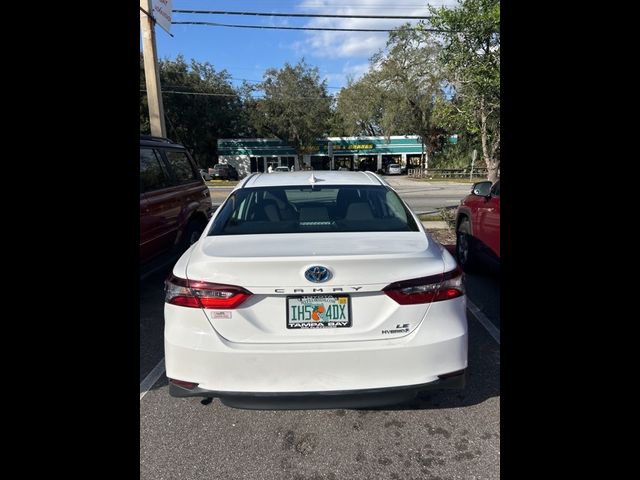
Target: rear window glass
{"x": 181, "y": 166}
{"x": 288, "y": 209}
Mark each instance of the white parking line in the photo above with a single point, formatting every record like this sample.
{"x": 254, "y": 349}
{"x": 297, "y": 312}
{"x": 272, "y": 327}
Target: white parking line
{"x": 482, "y": 318}
{"x": 152, "y": 378}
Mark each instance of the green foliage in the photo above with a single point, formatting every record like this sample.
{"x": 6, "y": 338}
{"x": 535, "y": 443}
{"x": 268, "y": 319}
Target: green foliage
{"x": 296, "y": 107}
{"x": 403, "y": 93}
{"x": 197, "y": 121}
{"x": 412, "y": 78}
{"x": 457, "y": 155}
{"x": 399, "y": 94}
{"x": 471, "y": 58}
{"x": 360, "y": 107}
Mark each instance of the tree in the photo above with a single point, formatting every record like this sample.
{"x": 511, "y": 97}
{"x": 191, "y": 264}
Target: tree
{"x": 471, "y": 54}
{"x": 296, "y": 107}
{"x": 412, "y": 78}
{"x": 209, "y": 108}
{"x": 359, "y": 109}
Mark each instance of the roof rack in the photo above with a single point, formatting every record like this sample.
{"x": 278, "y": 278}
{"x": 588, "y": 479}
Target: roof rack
{"x": 156, "y": 139}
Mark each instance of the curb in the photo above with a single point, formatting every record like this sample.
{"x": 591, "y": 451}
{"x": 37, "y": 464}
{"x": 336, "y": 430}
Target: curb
{"x": 435, "y": 225}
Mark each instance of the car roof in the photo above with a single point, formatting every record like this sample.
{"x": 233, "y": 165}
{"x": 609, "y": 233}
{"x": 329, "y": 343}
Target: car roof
{"x": 149, "y": 141}
{"x": 304, "y": 178}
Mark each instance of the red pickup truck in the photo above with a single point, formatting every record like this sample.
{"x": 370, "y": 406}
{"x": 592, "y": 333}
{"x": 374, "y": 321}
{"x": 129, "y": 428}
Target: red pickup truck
{"x": 478, "y": 225}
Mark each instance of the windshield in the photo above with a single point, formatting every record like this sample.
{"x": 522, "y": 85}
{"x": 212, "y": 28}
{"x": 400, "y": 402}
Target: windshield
{"x": 296, "y": 209}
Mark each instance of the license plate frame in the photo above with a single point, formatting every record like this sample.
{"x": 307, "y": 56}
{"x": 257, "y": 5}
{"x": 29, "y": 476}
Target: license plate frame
{"x": 297, "y": 323}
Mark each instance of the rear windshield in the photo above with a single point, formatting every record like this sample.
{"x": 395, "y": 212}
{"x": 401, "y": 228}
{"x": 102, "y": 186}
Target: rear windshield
{"x": 289, "y": 209}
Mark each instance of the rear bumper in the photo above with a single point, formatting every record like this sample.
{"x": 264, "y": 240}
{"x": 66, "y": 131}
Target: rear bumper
{"x": 195, "y": 352}
{"x": 374, "y": 397}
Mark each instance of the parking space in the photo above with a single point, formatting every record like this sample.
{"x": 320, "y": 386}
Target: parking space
{"x": 447, "y": 434}
{"x": 443, "y": 434}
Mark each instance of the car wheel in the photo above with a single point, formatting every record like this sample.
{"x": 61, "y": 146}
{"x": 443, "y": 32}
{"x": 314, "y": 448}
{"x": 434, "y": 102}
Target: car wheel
{"x": 464, "y": 245}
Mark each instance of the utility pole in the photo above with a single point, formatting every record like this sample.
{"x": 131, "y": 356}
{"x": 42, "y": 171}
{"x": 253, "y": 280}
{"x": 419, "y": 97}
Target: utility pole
{"x": 151, "y": 73}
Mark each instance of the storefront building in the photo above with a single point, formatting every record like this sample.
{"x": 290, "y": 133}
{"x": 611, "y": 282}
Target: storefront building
{"x": 250, "y": 155}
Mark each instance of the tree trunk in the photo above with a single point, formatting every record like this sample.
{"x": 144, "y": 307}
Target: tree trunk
{"x": 426, "y": 159}
{"x": 490, "y": 155}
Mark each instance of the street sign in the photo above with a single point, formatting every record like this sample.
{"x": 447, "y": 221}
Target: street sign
{"x": 162, "y": 13}
{"x": 330, "y": 148}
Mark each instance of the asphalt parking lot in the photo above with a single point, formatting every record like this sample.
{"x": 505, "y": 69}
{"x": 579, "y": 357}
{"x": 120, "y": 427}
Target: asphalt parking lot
{"x": 441, "y": 435}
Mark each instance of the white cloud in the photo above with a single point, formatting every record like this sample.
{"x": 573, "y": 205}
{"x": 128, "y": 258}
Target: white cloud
{"x": 354, "y": 71}
{"x": 356, "y": 44}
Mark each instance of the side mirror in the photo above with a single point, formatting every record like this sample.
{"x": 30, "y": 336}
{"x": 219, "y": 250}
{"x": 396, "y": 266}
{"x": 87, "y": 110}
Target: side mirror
{"x": 482, "y": 189}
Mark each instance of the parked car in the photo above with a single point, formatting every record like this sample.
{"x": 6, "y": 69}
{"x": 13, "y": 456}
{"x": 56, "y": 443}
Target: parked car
{"x": 281, "y": 168}
{"x": 321, "y": 290}
{"x": 478, "y": 225}
{"x": 224, "y": 171}
{"x": 205, "y": 174}
{"x": 175, "y": 204}
{"x": 394, "y": 169}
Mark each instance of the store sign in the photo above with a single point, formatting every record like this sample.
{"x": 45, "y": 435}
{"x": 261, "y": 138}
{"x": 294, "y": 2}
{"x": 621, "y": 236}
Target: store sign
{"x": 352, "y": 146}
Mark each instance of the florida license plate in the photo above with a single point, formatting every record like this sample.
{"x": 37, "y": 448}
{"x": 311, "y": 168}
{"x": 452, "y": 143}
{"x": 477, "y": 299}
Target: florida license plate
{"x": 319, "y": 311}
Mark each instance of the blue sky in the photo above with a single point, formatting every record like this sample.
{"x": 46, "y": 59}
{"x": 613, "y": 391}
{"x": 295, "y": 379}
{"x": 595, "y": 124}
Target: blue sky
{"x": 247, "y": 53}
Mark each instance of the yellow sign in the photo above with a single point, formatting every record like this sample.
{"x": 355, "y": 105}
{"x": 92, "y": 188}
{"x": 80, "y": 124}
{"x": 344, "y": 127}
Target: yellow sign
{"x": 354, "y": 146}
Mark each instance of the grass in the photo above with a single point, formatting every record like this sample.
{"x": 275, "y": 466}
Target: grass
{"x": 444, "y": 214}
{"x": 430, "y": 217}
{"x": 456, "y": 180}
{"x": 222, "y": 182}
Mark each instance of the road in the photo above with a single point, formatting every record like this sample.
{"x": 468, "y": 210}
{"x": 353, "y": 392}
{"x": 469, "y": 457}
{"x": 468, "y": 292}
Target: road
{"x": 422, "y": 197}
{"x": 425, "y": 197}
{"x": 442, "y": 435}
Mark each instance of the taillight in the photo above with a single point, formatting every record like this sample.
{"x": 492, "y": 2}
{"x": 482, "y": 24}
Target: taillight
{"x": 427, "y": 289}
{"x": 197, "y": 294}
{"x": 183, "y": 384}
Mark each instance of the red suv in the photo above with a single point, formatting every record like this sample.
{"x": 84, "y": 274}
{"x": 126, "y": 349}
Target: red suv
{"x": 175, "y": 204}
{"x": 478, "y": 225}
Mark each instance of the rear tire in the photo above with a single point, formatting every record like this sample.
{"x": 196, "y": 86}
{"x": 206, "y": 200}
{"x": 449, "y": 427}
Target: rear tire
{"x": 464, "y": 246}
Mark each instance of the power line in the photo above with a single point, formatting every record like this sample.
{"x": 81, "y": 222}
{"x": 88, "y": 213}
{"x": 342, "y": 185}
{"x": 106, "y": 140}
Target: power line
{"x": 370, "y": 6}
{"x": 235, "y": 78}
{"x": 312, "y": 15}
{"x": 148, "y": 15}
{"x": 199, "y": 93}
{"x": 235, "y": 95}
{"x": 305, "y": 28}
{"x": 260, "y": 81}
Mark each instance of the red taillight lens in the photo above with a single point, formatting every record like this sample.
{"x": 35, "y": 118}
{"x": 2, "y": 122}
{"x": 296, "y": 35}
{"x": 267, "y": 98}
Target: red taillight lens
{"x": 427, "y": 289}
{"x": 182, "y": 383}
{"x": 197, "y": 294}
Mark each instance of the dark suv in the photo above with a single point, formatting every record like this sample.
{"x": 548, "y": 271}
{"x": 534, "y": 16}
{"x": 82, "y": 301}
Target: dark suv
{"x": 175, "y": 204}
{"x": 224, "y": 171}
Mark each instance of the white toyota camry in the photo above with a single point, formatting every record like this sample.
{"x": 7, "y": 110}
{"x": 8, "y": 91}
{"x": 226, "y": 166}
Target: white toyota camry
{"x": 314, "y": 290}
